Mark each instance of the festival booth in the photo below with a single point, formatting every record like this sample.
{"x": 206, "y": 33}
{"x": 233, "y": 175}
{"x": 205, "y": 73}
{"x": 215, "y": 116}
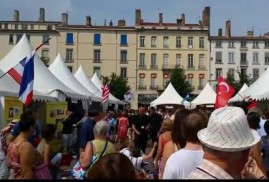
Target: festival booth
{"x": 112, "y": 99}
{"x": 60, "y": 71}
{"x": 169, "y": 97}
{"x": 205, "y": 101}
{"x": 45, "y": 83}
{"x": 259, "y": 91}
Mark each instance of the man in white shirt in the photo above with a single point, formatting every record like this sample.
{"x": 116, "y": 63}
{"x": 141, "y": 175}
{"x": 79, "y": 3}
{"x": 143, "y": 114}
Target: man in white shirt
{"x": 183, "y": 162}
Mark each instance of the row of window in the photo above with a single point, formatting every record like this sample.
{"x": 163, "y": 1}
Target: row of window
{"x": 19, "y": 36}
{"x": 243, "y": 44}
{"x": 97, "y": 39}
{"x": 166, "y": 79}
{"x": 142, "y": 42}
{"x": 231, "y": 71}
{"x": 123, "y": 71}
{"x": 243, "y": 58}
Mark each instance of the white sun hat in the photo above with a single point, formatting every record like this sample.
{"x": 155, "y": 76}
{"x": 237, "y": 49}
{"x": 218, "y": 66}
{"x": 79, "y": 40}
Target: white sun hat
{"x": 227, "y": 130}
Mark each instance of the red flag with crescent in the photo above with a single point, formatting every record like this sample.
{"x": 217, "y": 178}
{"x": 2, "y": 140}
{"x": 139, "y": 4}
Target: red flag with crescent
{"x": 224, "y": 93}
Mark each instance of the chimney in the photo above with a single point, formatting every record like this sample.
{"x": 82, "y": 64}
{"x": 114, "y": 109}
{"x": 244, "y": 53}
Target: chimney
{"x": 88, "y": 20}
{"x": 41, "y": 14}
{"x": 16, "y": 15}
{"x": 121, "y": 23}
{"x": 182, "y": 19}
{"x": 64, "y": 18}
{"x": 220, "y": 32}
{"x": 206, "y": 16}
{"x": 111, "y": 23}
{"x": 250, "y": 33}
{"x": 137, "y": 16}
{"x": 228, "y": 28}
{"x": 160, "y": 18}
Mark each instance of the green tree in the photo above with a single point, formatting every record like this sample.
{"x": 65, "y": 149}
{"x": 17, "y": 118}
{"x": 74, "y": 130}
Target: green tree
{"x": 118, "y": 86}
{"x": 243, "y": 78}
{"x": 178, "y": 80}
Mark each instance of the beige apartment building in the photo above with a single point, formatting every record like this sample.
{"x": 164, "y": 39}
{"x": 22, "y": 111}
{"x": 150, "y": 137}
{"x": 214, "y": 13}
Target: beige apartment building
{"x": 164, "y": 46}
{"x": 145, "y": 53}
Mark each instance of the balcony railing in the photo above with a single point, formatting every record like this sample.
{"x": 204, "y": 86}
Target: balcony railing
{"x": 97, "y": 61}
{"x": 219, "y": 62}
{"x": 200, "y": 87}
{"x": 154, "y": 87}
{"x": 266, "y": 62}
{"x": 69, "y": 60}
{"x": 189, "y": 67}
{"x": 171, "y": 66}
{"x": 243, "y": 63}
{"x": 153, "y": 66}
{"x": 142, "y": 87}
{"x": 201, "y": 67}
{"x": 142, "y": 66}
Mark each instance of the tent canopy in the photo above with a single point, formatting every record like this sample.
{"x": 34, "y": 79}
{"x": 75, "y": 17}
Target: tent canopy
{"x": 97, "y": 82}
{"x": 169, "y": 96}
{"x": 239, "y": 96}
{"x": 259, "y": 90}
{"x": 81, "y": 76}
{"x": 44, "y": 82}
{"x": 206, "y": 96}
{"x": 60, "y": 71}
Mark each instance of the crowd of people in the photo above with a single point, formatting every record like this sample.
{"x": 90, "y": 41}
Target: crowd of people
{"x": 147, "y": 143}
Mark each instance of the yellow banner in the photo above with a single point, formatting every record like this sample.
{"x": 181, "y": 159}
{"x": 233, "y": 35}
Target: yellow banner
{"x": 13, "y": 108}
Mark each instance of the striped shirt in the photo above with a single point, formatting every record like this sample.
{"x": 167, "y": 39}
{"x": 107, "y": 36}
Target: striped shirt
{"x": 209, "y": 170}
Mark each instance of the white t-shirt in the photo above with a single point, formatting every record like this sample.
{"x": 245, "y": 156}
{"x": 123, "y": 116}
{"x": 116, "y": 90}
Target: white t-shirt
{"x": 136, "y": 161}
{"x": 181, "y": 163}
{"x": 261, "y": 131}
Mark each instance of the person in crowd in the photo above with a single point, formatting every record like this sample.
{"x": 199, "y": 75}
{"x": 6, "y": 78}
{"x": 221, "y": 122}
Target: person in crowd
{"x": 192, "y": 154}
{"x": 264, "y": 118}
{"x": 67, "y": 131}
{"x": 113, "y": 166}
{"x": 177, "y": 141}
{"x": 122, "y": 128}
{"x": 227, "y": 141}
{"x": 95, "y": 114}
{"x": 35, "y": 138}
{"x": 164, "y": 138}
{"x": 253, "y": 119}
{"x": 98, "y": 145}
{"x": 265, "y": 147}
{"x": 131, "y": 119}
{"x": 140, "y": 128}
{"x": 136, "y": 156}
{"x": 23, "y": 158}
{"x": 155, "y": 124}
{"x": 112, "y": 124}
{"x": 45, "y": 149}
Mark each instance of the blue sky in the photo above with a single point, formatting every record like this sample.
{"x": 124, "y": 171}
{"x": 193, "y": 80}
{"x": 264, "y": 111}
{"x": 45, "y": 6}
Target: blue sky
{"x": 244, "y": 14}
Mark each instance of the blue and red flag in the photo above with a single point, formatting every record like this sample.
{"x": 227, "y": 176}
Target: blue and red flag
{"x": 23, "y": 74}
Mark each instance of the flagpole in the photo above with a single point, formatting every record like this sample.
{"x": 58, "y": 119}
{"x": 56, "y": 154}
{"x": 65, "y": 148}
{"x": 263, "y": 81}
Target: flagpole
{"x": 35, "y": 50}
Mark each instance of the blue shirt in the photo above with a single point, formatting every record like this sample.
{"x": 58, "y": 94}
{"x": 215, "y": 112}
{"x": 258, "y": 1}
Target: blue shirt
{"x": 112, "y": 121}
{"x": 86, "y": 132}
{"x": 16, "y": 131}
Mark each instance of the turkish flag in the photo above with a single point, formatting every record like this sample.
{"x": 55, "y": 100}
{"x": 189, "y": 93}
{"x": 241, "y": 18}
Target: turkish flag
{"x": 224, "y": 93}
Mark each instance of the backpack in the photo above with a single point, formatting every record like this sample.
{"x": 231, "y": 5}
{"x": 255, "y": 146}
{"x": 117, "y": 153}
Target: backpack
{"x": 78, "y": 172}
{"x": 3, "y": 136}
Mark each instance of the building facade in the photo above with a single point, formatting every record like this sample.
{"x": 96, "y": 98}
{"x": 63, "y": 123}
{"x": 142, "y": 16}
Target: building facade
{"x": 145, "y": 54}
{"x": 248, "y": 54}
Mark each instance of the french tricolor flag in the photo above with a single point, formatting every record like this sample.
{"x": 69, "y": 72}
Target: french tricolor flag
{"x": 23, "y": 74}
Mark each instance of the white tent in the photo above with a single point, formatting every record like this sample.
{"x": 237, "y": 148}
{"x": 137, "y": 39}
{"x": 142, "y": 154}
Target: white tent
{"x": 259, "y": 90}
{"x": 239, "y": 96}
{"x": 44, "y": 81}
{"x": 8, "y": 87}
{"x": 60, "y": 71}
{"x": 206, "y": 96}
{"x": 81, "y": 76}
{"x": 97, "y": 82}
{"x": 169, "y": 96}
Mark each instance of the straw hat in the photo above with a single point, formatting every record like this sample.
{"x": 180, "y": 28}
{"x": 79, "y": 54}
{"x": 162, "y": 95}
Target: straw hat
{"x": 14, "y": 121}
{"x": 227, "y": 130}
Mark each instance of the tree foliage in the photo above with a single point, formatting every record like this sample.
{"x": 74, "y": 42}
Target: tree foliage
{"x": 243, "y": 78}
{"x": 118, "y": 85}
{"x": 178, "y": 80}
